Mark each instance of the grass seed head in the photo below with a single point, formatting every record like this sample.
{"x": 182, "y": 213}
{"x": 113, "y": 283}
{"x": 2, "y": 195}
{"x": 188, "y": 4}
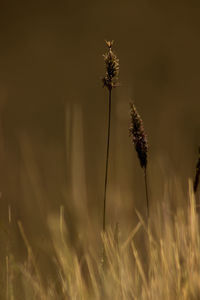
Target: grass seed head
{"x": 197, "y": 174}
{"x": 112, "y": 67}
{"x": 138, "y": 136}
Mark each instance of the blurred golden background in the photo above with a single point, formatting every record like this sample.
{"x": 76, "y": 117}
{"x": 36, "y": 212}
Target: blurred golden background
{"x": 53, "y": 109}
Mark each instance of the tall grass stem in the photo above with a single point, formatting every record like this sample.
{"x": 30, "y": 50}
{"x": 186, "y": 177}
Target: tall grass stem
{"x": 146, "y": 190}
{"x": 107, "y": 161}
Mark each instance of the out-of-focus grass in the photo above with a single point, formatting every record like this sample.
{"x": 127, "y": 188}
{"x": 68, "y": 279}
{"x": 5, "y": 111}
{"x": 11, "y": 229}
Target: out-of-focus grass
{"x": 167, "y": 266}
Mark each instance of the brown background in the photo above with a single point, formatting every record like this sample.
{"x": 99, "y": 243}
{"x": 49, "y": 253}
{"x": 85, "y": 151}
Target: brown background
{"x": 54, "y": 110}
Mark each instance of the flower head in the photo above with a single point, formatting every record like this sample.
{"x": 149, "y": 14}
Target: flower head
{"x": 112, "y": 67}
{"x": 138, "y": 136}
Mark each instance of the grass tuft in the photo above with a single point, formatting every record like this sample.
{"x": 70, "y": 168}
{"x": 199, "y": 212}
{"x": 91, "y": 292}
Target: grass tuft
{"x": 173, "y": 263}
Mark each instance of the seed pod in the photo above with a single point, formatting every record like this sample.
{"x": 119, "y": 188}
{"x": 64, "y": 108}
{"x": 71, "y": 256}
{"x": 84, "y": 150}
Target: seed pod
{"x": 112, "y": 67}
{"x": 138, "y": 136}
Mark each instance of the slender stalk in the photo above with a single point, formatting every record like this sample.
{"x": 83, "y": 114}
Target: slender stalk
{"x": 110, "y": 80}
{"x": 146, "y": 189}
{"x": 107, "y": 162}
{"x": 139, "y": 139}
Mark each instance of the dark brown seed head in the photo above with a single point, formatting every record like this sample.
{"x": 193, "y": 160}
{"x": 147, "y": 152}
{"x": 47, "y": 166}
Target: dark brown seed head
{"x": 112, "y": 67}
{"x": 196, "y": 180}
{"x": 138, "y": 136}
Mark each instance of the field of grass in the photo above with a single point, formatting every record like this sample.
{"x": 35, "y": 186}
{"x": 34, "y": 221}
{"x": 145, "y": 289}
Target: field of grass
{"x": 80, "y": 252}
{"x": 99, "y": 195}
{"x": 167, "y": 266}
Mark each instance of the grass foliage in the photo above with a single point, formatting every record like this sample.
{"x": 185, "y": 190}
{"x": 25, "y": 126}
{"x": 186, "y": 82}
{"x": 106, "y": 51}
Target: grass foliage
{"x": 170, "y": 270}
{"x": 158, "y": 260}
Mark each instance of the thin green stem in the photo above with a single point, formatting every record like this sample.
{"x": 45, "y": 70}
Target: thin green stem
{"x": 107, "y": 161}
{"x": 146, "y": 189}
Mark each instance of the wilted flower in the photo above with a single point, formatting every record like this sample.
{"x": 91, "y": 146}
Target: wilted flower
{"x": 112, "y": 67}
{"x": 138, "y": 136}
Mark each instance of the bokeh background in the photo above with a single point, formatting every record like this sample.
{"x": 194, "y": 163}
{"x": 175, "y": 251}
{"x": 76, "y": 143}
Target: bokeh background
{"x": 53, "y": 110}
